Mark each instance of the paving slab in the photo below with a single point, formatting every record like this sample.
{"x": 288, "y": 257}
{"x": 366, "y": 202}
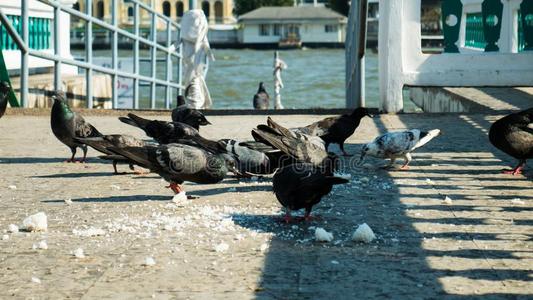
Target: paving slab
{"x": 230, "y": 244}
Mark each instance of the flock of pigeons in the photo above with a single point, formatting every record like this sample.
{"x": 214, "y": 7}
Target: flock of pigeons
{"x": 304, "y": 170}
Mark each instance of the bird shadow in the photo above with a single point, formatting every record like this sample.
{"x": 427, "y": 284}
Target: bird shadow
{"x": 237, "y": 189}
{"x": 76, "y": 175}
{"x": 42, "y": 160}
{"x": 116, "y": 199}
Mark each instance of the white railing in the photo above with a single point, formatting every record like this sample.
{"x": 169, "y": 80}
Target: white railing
{"x": 168, "y": 83}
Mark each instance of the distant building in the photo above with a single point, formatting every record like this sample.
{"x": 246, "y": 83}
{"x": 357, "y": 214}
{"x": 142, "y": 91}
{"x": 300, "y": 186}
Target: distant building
{"x": 216, "y": 11}
{"x": 308, "y": 25}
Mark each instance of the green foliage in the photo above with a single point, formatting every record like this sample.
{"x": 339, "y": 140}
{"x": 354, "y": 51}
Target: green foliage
{"x": 340, "y": 6}
{"x": 244, "y": 6}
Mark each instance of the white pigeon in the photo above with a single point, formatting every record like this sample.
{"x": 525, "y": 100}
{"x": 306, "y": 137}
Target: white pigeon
{"x": 394, "y": 145}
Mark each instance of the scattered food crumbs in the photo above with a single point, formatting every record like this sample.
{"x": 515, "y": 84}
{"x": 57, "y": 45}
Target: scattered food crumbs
{"x": 264, "y": 247}
{"x": 335, "y": 262}
{"x": 343, "y": 175}
{"x": 78, "y": 253}
{"x": 363, "y": 233}
{"x": 91, "y": 231}
{"x": 222, "y": 247}
{"x": 36, "y": 222}
{"x": 115, "y": 187}
{"x": 12, "y": 187}
{"x": 36, "y": 280}
{"x": 149, "y": 261}
{"x": 321, "y": 235}
{"x": 5, "y": 237}
{"x": 68, "y": 201}
{"x": 179, "y": 197}
{"x": 517, "y": 201}
{"x": 12, "y": 228}
{"x": 447, "y": 200}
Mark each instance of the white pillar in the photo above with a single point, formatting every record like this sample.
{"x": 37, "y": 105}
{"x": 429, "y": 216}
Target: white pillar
{"x": 390, "y": 55}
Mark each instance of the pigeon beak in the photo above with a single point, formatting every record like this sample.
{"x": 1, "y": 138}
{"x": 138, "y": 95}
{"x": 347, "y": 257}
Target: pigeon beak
{"x": 370, "y": 115}
{"x": 207, "y": 122}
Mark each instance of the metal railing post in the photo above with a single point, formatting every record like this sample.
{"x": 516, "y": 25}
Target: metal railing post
{"x": 192, "y": 4}
{"x": 180, "y": 64}
{"x": 24, "y": 66}
{"x": 114, "y": 54}
{"x": 89, "y": 54}
{"x": 136, "y": 20}
{"x": 169, "y": 66}
{"x": 154, "y": 61}
{"x": 57, "y": 50}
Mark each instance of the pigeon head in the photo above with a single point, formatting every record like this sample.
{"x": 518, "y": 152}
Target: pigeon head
{"x": 58, "y": 96}
{"x": 201, "y": 119}
{"x": 261, "y": 87}
{"x": 4, "y": 87}
{"x": 371, "y": 149}
{"x": 360, "y": 112}
{"x": 180, "y": 100}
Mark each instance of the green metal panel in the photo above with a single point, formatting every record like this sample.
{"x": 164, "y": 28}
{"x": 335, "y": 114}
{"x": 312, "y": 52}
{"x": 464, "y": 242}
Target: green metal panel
{"x": 39, "y": 33}
{"x": 452, "y": 11}
{"x": 4, "y": 76}
{"x": 520, "y": 32}
{"x": 526, "y": 18}
{"x": 491, "y": 11}
{"x": 474, "y": 36}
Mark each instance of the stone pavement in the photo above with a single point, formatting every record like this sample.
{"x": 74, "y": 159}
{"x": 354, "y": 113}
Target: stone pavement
{"x": 229, "y": 244}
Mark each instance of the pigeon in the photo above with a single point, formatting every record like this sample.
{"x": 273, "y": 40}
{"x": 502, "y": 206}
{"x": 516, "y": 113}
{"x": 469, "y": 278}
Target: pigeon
{"x": 248, "y": 160}
{"x": 162, "y": 132}
{"x": 68, "y": 125}
{"x": 261, "y": 98}
{"x": 190, "y": 116}
{"x": 177, "y": 163}
{"x": 397, "y": 144}
{"x": 513, "y": 134}
{"x": 105, "y": 142}
{"x": 302, "y": 185}
{"x": 4, "y": 96}
{"x": 336, "y": 129}
{"x": 300, "y": 146}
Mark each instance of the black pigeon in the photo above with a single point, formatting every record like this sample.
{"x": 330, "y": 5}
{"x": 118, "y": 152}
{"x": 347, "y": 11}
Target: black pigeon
{"x": 302, "y": 147}
{"x": 261, "y": 98}
{"x": 335, "y": 130}
{"x": 162, "y": 132}
{"x": 4, "y": 96}
{"x": 302, "y": 185}
{"x": 105, "y": 142}
{"x": 177, "y": 163}
{"x": 68, "y": 125}
{"x": 513, "y": 134}
{"x": 190, "y": 116}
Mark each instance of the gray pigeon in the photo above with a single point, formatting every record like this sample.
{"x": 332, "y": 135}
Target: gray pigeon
{"x": 302, "y": 185}
{"x": 190, "y": 116}
{"x": 261, "y": 98}
{"x": 105, "y": 142}
{"x": 397, "y": 144}
{"x": 177, "y": 163}
{"x": 336, "y": 129}
{"x": 4, "y": 96}
{"x": 68, "y": 125}
{"x": 248, "y": 161}
{"x": 302, "y": 147}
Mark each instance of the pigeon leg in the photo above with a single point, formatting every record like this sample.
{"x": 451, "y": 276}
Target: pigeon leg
{"x": 287, "y": 218}
{"x": 308, "y": 217}
{"x": 517, "y": 169}
{"x": 408, "y": 159}
{"x": 115, "y": 166}
{"x": 176, "y": 188}
{"x": 73, "y": 150}
{"x": 84, "y": 159}
{"x": 341, "y": 145}
{"x": 132, "y": 167}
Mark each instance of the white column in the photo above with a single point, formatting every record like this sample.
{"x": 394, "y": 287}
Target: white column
{"x": 390, "y": 55}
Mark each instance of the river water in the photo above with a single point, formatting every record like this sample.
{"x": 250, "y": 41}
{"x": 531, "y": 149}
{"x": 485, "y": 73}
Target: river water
{"x": 315, "y": 78}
